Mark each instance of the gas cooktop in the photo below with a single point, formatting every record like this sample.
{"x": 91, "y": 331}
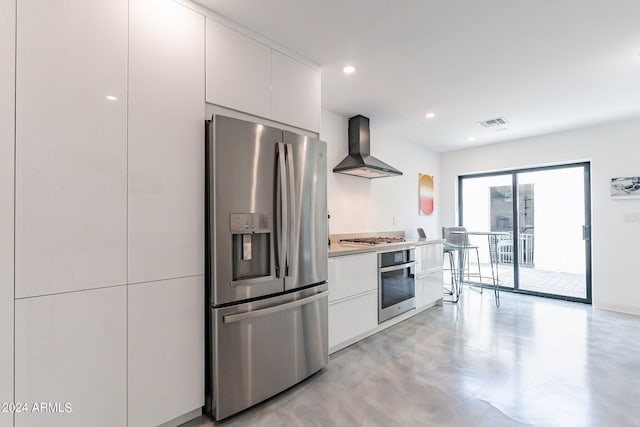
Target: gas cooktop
{"x": 370, "y": 241}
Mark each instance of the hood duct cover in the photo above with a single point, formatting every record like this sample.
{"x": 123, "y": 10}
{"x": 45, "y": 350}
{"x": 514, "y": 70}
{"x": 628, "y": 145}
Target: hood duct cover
{"x": 360, "y": 162}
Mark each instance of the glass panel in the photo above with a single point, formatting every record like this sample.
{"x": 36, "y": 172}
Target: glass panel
{"x": 551, "y": 210}
{"x": 488, "y": 206}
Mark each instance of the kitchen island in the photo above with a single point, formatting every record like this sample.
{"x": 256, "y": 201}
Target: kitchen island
{"x": 354, "y": 294}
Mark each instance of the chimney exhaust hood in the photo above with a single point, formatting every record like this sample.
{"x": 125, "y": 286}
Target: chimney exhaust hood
{"x": 360, "y": 162}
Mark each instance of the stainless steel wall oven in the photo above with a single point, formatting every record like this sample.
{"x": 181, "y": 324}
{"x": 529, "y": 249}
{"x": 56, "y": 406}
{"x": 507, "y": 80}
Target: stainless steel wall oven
{"x": 396, "y": 283}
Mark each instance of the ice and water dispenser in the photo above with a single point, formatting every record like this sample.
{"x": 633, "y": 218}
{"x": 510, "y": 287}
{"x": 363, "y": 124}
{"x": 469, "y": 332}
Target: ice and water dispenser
{"x": 251, "y": 245}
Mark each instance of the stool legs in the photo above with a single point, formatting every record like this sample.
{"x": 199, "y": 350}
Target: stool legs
{"x": 454, "y": 278}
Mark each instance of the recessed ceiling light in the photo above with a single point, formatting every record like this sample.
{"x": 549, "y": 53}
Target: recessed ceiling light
{"x": 349, "y": 69}
{"x": 471, "y": 138}
{"x": 430, "y": 115}
{"x": 112, "y": 98}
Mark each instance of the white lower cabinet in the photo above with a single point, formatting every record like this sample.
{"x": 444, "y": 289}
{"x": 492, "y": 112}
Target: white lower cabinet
{"x": 71, "y": 358}
{"x": 351, "y": 317}
{"x": 432, "y": 287}
{"x": 429, "y": 289}
{"x": 428, "y": 274}
{"x": 353, "y": 297}
{"x": 166, "y": 350}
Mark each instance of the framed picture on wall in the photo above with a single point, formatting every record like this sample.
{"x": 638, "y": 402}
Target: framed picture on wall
{"x": 625, "y": 187}
{"x": 426, "y": 193}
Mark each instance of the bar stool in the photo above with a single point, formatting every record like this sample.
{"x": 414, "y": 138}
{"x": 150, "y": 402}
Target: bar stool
{"x": 456, "y": 240}
{"x": 452, "y": 273}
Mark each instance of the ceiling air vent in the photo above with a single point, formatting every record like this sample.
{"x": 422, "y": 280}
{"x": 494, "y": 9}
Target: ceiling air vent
{"x": 497, "y": 123}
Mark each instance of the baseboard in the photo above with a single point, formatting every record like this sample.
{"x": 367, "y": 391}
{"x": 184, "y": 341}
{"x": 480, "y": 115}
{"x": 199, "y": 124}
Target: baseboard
{"x": 619, "y": 308}
{"x": 183, "y": 418}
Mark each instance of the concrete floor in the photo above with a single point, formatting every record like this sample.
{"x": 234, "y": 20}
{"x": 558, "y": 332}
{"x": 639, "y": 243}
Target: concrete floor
{"x": 532, "y": 361}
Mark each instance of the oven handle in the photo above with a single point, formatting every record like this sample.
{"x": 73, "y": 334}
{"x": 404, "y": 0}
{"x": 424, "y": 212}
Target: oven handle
{"x": 397, "y": 267}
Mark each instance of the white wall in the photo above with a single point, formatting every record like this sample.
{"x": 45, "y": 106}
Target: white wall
{"x": 7, "y": 106}
{"x": 367, "y": 205}
{"x": 613, "y": 150}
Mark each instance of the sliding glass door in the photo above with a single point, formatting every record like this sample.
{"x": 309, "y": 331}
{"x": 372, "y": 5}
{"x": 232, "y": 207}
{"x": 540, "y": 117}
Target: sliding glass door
{"x": 488, "y": 206}
{"x": 545, "y": 216}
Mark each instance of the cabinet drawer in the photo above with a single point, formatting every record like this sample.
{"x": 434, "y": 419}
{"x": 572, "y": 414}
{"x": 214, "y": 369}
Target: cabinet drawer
{"x": 351, "y": 317}
{"x": 352, "y": 275}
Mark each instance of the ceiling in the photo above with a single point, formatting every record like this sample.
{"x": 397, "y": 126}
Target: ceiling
{"x": 544, "y": 66}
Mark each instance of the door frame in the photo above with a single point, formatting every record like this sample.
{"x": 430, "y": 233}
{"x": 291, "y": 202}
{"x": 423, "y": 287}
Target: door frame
{"x": 514, "y": 186}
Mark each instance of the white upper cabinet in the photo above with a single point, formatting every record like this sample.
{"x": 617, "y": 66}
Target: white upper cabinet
{"x": 238, "y": 71}
{"x": 72, "y": 349}
{"x": 246, "y": 75}
{"x": 295, "y": 92}
{"x": 71, "y": 152}
{"x": 7, "y": 105}
{"x": 166, "y": 141}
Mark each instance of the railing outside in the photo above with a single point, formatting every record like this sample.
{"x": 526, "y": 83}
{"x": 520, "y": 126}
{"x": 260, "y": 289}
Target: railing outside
{"x": 504, "y": 251}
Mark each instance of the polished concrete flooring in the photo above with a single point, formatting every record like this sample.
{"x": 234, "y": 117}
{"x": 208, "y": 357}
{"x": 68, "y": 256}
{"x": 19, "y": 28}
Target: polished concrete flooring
{"x": 532, "y": 361}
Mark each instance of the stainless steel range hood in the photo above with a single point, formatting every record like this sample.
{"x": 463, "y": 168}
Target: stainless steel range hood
{"x": 360, "y": 162}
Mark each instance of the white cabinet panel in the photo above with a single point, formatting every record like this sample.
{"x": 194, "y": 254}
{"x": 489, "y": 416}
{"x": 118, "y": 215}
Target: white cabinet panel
{"x": 352, "y": 274}
{"x": 432, "y": 287}
{"x": 71, "y": 348}
{"x": 238, "y": 71}
{"x": 166, "y": 140}
{"x": 428, "y": 274}
{"x": 70, "y": 145}
{"x": 351, "y": 317}
{"x": 295, "y": 92}
{"x": 428, "y": 257}
{"x": 7, "y": 105}
{"x": 166, "y": 350}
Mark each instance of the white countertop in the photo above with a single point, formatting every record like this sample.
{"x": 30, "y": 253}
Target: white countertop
{"x": 340, "y": 250}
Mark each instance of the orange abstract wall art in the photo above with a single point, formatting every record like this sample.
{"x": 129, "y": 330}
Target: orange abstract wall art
{"x": 425, "y": 188}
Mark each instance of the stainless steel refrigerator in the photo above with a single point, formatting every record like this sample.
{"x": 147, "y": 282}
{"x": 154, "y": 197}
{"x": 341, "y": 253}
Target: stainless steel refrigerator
{"x": 266, "y": 262}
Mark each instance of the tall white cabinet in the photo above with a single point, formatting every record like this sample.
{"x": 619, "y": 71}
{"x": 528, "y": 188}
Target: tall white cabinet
{"x": 70, "y": 146}
{"x": 7, "y": 106}
{"x": 102, "y": 106}
{"x": 166, "y": 212}
{"x": 166, "y": 141}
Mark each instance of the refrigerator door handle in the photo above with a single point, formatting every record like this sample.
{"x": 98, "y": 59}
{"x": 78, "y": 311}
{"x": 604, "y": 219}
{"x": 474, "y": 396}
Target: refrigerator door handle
{"x": 291, "y": 252}
{"x": 282, "y": 209}
{"x": 231, "y": 318}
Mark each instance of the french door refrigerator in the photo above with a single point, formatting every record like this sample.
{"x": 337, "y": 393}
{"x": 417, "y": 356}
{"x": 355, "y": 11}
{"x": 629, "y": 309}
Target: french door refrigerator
{"x": 266, "y": 262}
